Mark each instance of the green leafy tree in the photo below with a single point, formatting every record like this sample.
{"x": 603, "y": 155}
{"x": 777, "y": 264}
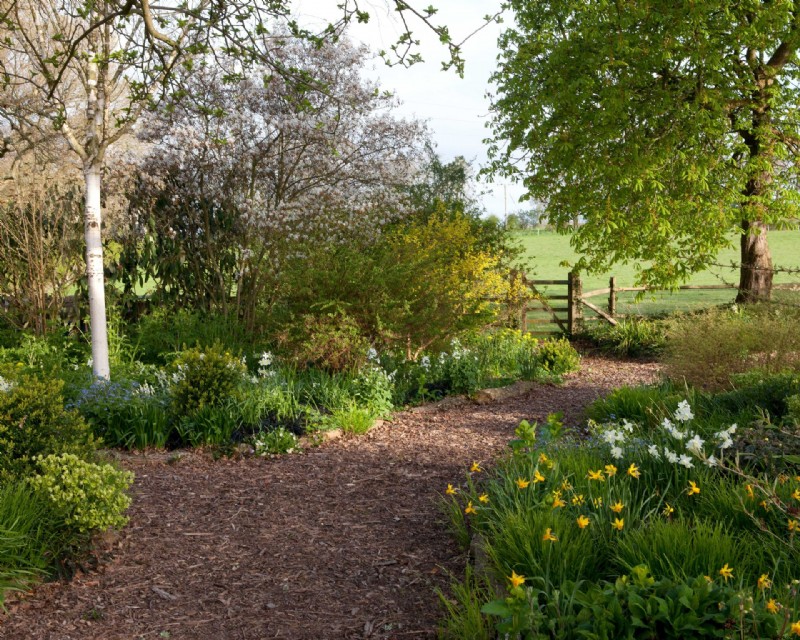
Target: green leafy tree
{"x": 662, "y": 127}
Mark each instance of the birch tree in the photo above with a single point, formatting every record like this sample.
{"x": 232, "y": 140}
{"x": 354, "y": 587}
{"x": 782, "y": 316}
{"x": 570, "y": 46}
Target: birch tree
{"x": 87, "y": 69}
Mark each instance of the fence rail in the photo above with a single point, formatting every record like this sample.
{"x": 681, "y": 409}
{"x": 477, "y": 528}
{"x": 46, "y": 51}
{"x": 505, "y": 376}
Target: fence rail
{"x": 570, "y": 318}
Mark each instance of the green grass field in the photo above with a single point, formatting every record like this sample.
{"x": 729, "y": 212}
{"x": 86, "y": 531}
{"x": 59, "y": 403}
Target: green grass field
{"x": 544, "y": 251}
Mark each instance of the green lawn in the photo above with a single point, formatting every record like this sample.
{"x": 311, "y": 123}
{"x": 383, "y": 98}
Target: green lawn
{"x": 544, "y": 251}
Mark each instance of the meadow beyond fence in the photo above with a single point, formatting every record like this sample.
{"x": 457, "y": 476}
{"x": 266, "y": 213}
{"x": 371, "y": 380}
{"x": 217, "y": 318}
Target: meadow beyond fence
{"x": 546, "y": 252}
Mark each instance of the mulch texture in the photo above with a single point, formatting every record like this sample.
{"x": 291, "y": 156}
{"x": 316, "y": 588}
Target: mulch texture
{"x": 343, "y": 541}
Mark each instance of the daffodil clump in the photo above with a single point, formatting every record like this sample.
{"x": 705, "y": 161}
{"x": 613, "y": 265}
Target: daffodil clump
{"x": 667, "y": 519}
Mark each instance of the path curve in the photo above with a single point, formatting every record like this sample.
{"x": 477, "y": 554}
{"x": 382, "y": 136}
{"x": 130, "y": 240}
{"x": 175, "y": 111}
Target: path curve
{"x": 344, "y": 541}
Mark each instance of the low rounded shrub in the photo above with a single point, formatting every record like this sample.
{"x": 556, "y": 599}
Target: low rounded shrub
{"x": 87, "y": 496}
{"x": 34, "y": 422}
{"x": 204, "y": 377}
{"x": 558, "y": 356}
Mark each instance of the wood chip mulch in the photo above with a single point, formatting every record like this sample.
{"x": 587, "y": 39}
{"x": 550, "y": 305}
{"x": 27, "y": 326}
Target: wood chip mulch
{"x": 344, "y": 541}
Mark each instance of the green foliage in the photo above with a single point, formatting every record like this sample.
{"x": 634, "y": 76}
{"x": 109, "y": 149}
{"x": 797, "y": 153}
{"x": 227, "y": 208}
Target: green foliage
{"x": 629, "y": 337}
{"x": 210, "y": 424}
{"x": 352, "y": 419}
{"x": 331, "y": 341}
{"x": 34, "y": 422}
{"x": 463, "y": 618}
{"x": 649, "y": 123}
{"x": 87, "y": 496}
{"x": 204, "y": 377}
{"x": 708, "y": 349}
{"x": 276, "y": 442}
{"x": 558, "y": 356}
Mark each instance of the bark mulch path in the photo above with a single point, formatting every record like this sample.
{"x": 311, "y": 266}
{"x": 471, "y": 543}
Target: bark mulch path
{"x": 344, "y": 541}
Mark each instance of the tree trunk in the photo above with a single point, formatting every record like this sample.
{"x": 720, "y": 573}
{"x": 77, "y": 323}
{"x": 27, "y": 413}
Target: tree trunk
{"x": 94, "y": 272}
{"x": 755, "y": 283}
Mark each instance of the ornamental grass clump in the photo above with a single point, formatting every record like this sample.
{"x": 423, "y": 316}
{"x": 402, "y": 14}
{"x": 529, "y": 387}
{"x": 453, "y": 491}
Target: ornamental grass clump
{"x": 633, "y": 532}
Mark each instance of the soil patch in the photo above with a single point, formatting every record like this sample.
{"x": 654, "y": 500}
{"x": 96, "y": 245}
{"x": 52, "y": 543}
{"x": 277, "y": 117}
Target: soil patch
{"x": 343, "y": 541}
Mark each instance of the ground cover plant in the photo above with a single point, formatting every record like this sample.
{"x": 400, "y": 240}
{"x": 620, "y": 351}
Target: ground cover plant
{"x": 638, "y": 532}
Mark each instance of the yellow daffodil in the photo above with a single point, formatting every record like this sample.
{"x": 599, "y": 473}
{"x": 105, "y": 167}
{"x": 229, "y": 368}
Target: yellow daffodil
{"x": 610, "y": 470}
{"x": 668, "y": 510}
{"x": 596, "y": 475}
{"x": 565, "y": 485}
{"x": 763, "y": 504}
{"x": 538, "y": 477}
{"x": 476, "y": 467}
{"x": 558, "y": 502}
{"x": 583, "y": 522}
{"x": 484, "y": 498}
{"x": 617, "y": 507}
{"x": 764, "y": 582}
{"x": 516, "y": 580}
{"x": 451, "y": 491}
{"x": 522, "y": 483}
{"x": 597, "y": 502}
{"x": 772, "y": 606}
{"x": 578, "y": 499}
{"x": 693, "y": 488}
{"x": 633, "y": 471}
{"x": 794, "y": 526}
{"x": 618, "y": 523}
{"x": 796, "y": 495}
{"x": 709, "y": 579}
{"x": 795, "y": 629}
{"x": 470, "y": 510}
{"x": 549, "y": 536}
{"x": 726, "y": 572}
{"x": 543, "y": 459}
{"x": 750, "y": 493}
{"x": 783, "y": 478}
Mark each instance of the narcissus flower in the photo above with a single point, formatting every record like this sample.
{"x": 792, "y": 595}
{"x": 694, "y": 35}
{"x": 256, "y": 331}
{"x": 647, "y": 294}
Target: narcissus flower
{"x": 578, "y": 499}
{"x": 693, "y": 488}
{"x": 618, "y": 524}
{"x": 451, "y": 491}
{"x": 558, "y": 502}
{"x": 796, "y": 495}
{"x": 476, "y": 467}
{"x": 549, "y": 536}
{"x": 668, "y": 510}
{"x": 538, "y": 477}
{"x": 597, "y": 502}
{"x": 522, "y": 483}
{"x": 484, "y": 498}
{"x": 633, "y": 471}
{"x": 764, "y": 582}
{"x": 617, "y": 507}
{"x": 796, "y": 628}
{"x": 750, "y": 493}
{"x": 794, "y": 526}
{"x": 583, "y": 522}
{"x": 470, "y": 510}
{"x": 596, "y": 475}
{"x": 516, "y": 580}
{"x": 610, "y": 470}
{"x": 566, "y": 485}
{"x": 726, "y": 572}
{"x": 772, "y": 606}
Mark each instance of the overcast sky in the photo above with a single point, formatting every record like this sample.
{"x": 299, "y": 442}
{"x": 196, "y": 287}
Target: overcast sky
{"x": 456, "y": 109}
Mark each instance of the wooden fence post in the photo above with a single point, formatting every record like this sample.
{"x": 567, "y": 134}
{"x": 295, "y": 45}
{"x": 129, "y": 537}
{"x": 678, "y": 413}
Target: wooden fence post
{"x": 612, "y": 296}
{"x": 574, "y": 311}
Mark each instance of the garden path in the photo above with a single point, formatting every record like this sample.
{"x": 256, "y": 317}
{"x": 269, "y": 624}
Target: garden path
{"x": 344, "y": 541}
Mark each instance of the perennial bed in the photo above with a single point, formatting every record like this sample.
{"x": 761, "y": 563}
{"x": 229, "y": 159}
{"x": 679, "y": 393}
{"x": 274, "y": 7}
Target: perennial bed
{"x": 344, "y": 541}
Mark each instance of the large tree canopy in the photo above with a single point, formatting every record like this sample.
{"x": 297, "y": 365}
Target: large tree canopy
{"x": 662, "y": 126}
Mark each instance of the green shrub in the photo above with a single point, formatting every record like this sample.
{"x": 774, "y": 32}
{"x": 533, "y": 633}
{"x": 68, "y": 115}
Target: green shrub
{"x": 706, "y": 349}
{"x": 276, "y": 442}
{"x": 87, "y": 496}
{"x": 793, "y": 408}
{"x": 629, "y": 337}
{"x": 204, "y": 377}
{"x": 213, "y": 425}
{"x": 330, "y": 341}
{"x": 34, "y": 422}
{"x": 353, "y": 419}
{"x": 558, "y": 356}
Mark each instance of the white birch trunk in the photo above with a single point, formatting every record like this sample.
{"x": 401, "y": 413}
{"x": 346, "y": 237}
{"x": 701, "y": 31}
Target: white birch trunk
{"x": 94, "y": 272}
